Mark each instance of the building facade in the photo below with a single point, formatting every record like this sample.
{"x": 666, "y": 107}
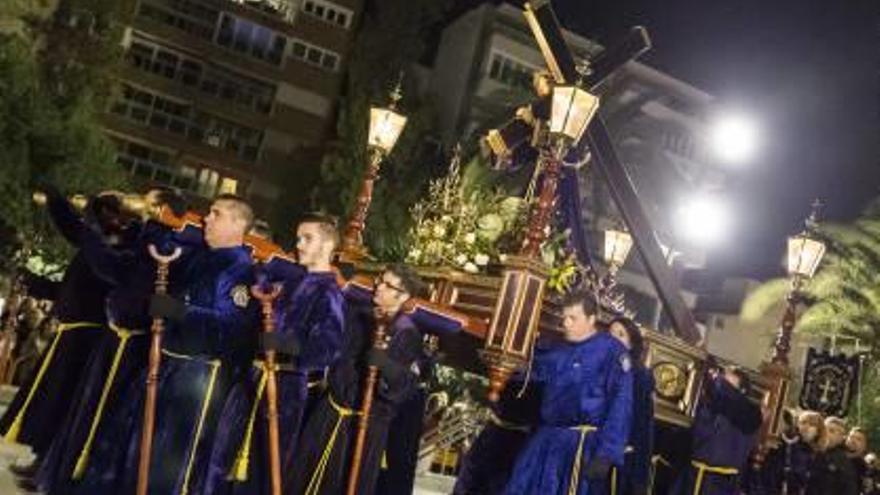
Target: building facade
{"x": 216, "y": 94}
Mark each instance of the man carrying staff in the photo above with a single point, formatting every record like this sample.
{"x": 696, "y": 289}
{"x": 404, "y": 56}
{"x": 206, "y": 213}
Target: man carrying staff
{"x": 724, "y": 433}
{"x": 324, "y": 451}
{"x": 119, "y": 351}
{"x": 308, "y": 338}
{"x": 208, "y": 323}
{"x": 32, "y": 417}
{"x": 586, "y": 409}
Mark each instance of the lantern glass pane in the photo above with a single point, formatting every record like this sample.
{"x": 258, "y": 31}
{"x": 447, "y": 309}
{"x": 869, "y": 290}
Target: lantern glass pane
{"x": 617, "y": 247}
{"x": 804, "y": 255}
{"x": 385, "y": 127}
{"x": 571, "y": 111}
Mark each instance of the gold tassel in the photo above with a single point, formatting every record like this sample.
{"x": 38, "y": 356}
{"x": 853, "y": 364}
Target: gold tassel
{"x": 83, "y": 459}
{"x": 242, "y": 459}
{"x": 14, "y": 430}
{"x": 215, "y": 367}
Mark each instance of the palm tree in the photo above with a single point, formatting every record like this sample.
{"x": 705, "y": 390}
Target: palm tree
{"x": 844, "y": 296}
{"x": 842, "y": 299}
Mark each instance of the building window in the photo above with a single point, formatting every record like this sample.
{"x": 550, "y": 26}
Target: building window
{"x": 243, "y": 141}
{"x": 215, "y": 81}
{"x": 510, "y": 72}
{"x": 185, "y": 15}
{"x": 328, "y": 12}
{"x": 315, "y": 55}
{"x": 159, "y": 112}
{"x": 152, "y": 164}
{"x": 251, "y": 39}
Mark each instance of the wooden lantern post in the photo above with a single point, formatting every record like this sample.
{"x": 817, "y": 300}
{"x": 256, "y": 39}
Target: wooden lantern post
{"x": 517, "y": 313}
{"x": 805, "y": 254}
{"x": 386, "y": 125}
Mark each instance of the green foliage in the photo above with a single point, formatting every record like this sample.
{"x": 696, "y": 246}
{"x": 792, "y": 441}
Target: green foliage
{"x": 390, "y": 40}
{"x": 53, "y": 83}
{"x": 843, "y": 298}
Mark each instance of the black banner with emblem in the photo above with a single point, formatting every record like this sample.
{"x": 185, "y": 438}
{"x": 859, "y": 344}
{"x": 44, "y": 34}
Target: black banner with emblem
{"x": 830, "y": 382}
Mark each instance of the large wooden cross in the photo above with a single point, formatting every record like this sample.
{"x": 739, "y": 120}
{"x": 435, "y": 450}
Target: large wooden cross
{"x": 560, "y": 61}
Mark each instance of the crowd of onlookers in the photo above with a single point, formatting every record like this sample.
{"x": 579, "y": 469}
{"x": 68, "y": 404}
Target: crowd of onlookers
{"x": 818, "y": 455}
{"x": 26, "y": 328}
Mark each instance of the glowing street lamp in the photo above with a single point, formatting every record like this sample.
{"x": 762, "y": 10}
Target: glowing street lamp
{"x": 386, "y": 126}
{"x": 703, "y": 220}
{"x": 618, "y": 244}
{"x": 734, "y": 139}
{"x": 805, "y": 253}
{"x": 571, "y": 110}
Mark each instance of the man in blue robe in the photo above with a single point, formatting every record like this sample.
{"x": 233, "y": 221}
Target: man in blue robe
{"x": 116, "y": 355}
{"x": 308, "y": 338}
{"x": 586, "y": 410}
{"x": 32, "y": 417}
{"x": 324, "y": 451}
{"x": 724, "y": 433}
{"x": 210, "y": 320}
{"x": 489, "y": 461}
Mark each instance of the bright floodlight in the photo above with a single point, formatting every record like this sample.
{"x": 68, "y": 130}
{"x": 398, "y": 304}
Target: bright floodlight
{"x": 702, "y": 220}
{"x": 734, "y": 139}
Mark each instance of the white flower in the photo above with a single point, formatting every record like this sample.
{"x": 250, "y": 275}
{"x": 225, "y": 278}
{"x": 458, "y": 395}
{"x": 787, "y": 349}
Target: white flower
{"x": 470, "y": 267}
{"x": 470, "y": 238}
{"x": 481, "y": 259}
{"x": 461, "y": 259}
{"x": 439, "y": 231}
{"x": 415, "y": 254}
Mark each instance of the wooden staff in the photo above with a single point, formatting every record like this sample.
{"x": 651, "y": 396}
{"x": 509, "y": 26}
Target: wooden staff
{"x": 379, "y": 343}
{"x": 162, "y": 264}
{"x": 267, "y": 298}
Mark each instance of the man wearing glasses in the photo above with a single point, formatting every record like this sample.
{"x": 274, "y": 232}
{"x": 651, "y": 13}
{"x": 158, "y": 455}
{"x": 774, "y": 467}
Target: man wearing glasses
{"x": 328, "y": 437}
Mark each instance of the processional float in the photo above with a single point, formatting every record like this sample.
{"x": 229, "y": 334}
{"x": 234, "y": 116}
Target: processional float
{"x": 489, "y": 323}
{"x": 515, "y": 305}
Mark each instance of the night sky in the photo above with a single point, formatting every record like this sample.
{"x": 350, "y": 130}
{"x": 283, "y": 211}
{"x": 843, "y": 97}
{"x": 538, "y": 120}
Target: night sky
{"x": 808, "y": 72}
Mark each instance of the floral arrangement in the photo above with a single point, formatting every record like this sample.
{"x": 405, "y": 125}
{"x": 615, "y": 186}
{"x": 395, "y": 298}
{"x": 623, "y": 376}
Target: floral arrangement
{"x": 473, "y": 228}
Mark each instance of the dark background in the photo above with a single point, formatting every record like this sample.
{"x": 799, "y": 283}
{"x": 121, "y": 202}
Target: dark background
{"x": 807, "y": 72}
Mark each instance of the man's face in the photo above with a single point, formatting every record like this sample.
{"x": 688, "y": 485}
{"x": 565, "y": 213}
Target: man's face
{"x": 576, "y": 324}
{"x": 313, "y": 249}
{"x": 224, "y": 227}
{"x": 389, "y": 293}
{"x": 856, "y": 442}
{"x": 807, "y": 430}
{"x": 836, "y": 434}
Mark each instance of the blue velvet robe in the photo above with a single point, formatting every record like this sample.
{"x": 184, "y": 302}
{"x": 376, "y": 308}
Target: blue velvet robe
{"x": 78, "y": 304}
{"x": 330, "y": 430}
{"x": 636, "y": 470}
{"x": 119, "y": 354}
{"x": 587, "y": 383}
{"x": 488, "y": 464}
{"x": 310, "y": 308}
{"x": 201, "y": 354}
{"x": 724, "y": 433}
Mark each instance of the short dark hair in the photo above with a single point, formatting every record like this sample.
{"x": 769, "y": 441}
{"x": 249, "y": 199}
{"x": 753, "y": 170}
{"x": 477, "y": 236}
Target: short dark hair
{"x": 409, "y": 279}
{"x": 637, "y": 340}
{"x": 242, "y": 207}
{"x": 585, "y": 298}
{"x": 327, "y": 224}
